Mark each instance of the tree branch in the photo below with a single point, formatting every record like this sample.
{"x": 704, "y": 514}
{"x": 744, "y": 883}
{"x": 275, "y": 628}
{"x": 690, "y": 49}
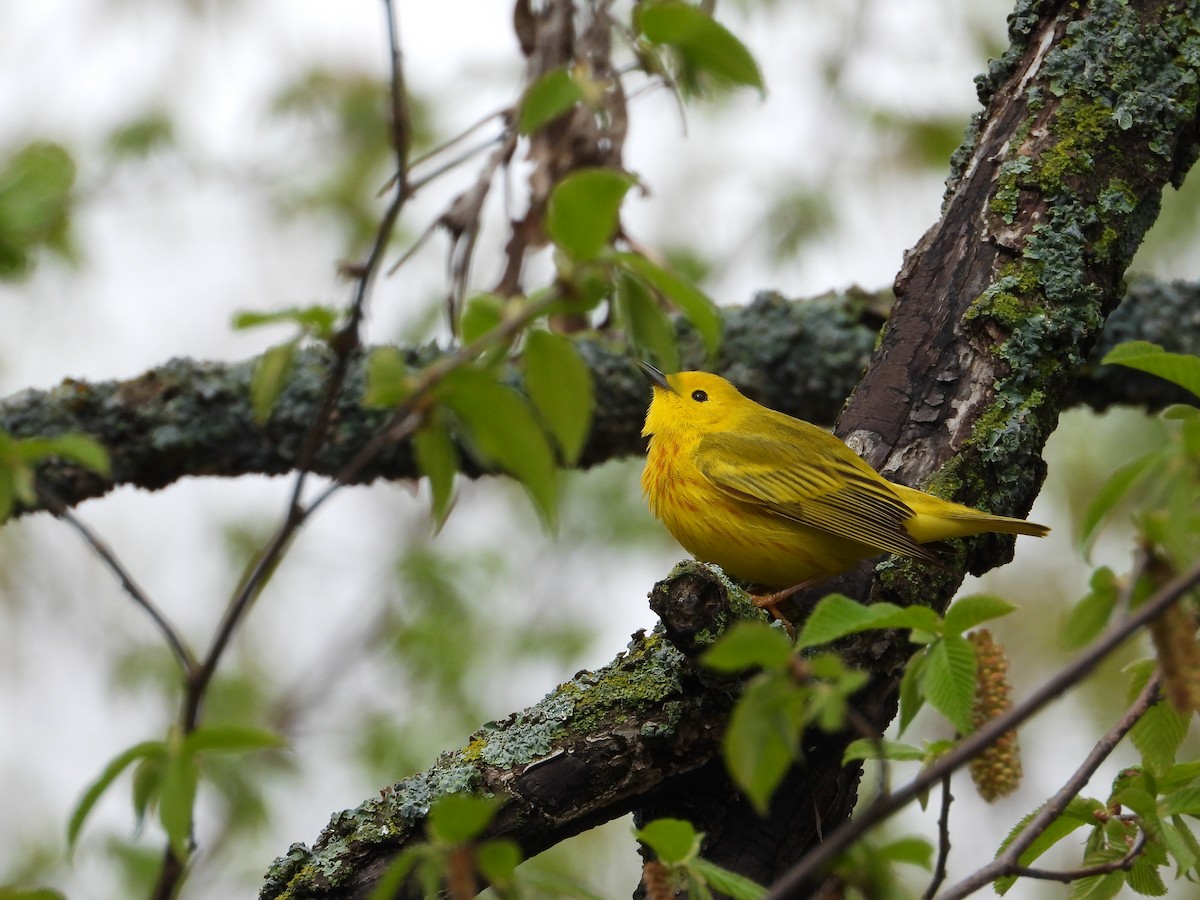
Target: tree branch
{"x": 190, "y": 417}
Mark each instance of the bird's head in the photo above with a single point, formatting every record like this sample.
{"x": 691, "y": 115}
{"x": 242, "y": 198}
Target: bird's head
{"x": 696, "y": 403}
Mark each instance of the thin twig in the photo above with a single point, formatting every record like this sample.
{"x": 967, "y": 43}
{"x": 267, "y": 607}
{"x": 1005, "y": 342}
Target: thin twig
{"x": 60, "y": 510}
{"x": 939, "y": 869}
{"x": 882, "y": 808}
{"x": 1008, "y": 861}
{"x": 1107, "y": 868}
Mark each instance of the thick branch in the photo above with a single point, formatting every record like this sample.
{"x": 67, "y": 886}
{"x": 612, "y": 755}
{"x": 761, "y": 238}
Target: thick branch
{"x": 193, "y": 418}
{"x": 589, "y": 752}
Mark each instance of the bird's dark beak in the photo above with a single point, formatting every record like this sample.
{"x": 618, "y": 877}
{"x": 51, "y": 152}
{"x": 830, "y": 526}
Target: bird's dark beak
{"x": 655, "y": 377}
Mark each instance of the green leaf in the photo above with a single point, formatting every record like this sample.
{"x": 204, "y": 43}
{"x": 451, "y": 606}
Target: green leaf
{"x": 437, "y": 458}
{"x": 35, "y": 206}
{"x": 501, "y": 428}
{"x": 269, "y": 379}
{"x": 914, "y": 851}
{"x": 762, "y": 739}
{"x": 865, "y": 748}
{"x": 701, "y": 40}
{"x": 1080, "y": 812}
{"x": 749, "y": 645}
{"x": 547, "y": 99}
{"x": 392, "y": 880}
{"x": 78, "y": 448}
{"x": 731, "y": 884}
{"x": 231, "y": 739}
{"x": 458, "y": 818}
{"x": 697, "y": 306}
{"x": 177, "y": 801}
{"x": 1109, "y": 494}
{"x": 650, "y": 331}
{"x": 949, "y": 682}
{"x": 388, "y": 381}
{"x": 1180, "y": 843}
{"x": 315, "y": 321}
{"x": 1184, "y": 802}
{"x": 560, "y": 385}
{"x": 837, "y": 616}
{"x": 911, "y": 698}
{"x": 674, "y": 841}
{"x": 497, "y": 860}
{"x": 482, "y": 314}
{"x": 1179, "y": 368}
{"x": 1158, "y": 736}
{"x": 1144, "y": 879}
{"x": 584, "y": 208}
{"x": 1090, "y": 616}
{"x": 147, "y": 785}
{"x": 967, "y": 612}
{"x": 13, "y": 893}
{"x": 96, "y": 789}
{"x": 139, "y": 137}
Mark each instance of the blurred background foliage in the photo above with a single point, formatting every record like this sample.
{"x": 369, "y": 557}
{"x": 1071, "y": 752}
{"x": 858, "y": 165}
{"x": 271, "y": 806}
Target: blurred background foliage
{"x": 143, "y": 200}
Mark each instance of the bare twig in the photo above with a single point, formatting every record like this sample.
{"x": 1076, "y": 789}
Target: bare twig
{"x": 1008, "y": 861}
{"x": 884, "y": 807}
{"x": 939, "y": 869}
{"x": 1066, "y": 877}
{"x": 57, "y": 508}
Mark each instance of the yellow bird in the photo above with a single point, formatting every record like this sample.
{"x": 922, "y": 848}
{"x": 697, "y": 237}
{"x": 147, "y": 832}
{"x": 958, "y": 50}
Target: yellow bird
{"x": 776, "y": 501}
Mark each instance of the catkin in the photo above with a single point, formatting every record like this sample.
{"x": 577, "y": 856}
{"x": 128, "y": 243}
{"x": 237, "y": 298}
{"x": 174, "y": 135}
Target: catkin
{"x": 1174, "y": 636}
{"x": 997, "y": 770}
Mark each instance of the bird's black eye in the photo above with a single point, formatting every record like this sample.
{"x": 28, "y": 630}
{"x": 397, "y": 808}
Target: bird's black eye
{"x": 699, "y": 396}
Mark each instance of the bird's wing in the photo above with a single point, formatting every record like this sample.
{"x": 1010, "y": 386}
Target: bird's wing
{"x": 812, "y": 482}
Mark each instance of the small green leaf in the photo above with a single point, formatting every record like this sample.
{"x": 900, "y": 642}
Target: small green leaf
{"x": 231, "y": 739}
{"x": 837, "y": 616}
{"x": 482, "y": 314}
{"x": 1179, "y": 368}
{"x": 762, "y": 739}
{"x": 701, "y": 40}
{"x": 1144, "y": 878}
{"x": 35, "y": 206}
{"x": 1109, "y": 494}
{"x": 697, "y": 306}
{"x": 1180, "y": 843}
{"x": 674, "y": 841}
{"x": 458, "y": 818}
{"x": 730, "y": 884}
{"x": 560, "y": 385}
{"x": 650, "y": 331}
{"x": 584, "y": 208}
{"x": 502, "y": 429}
{"x": 437, "y": 458}
{"x": 177, "y": 801}
{"x": 97, "y": 788}
{"x": 392, "y": 880}
{"x": 1158, "y": 736}
{"x": 13, "y": 893}
{"x": 78, "y": 448}
{"x": 911, "y": 698}
{"x": 949, "y": 682}
{"x": 138, "y": 138}
{"x": 498, "y": 860}
{"x": 749, "y": 645}
{"x": 387, "y": 378}
{"x": 147, "y": 784}
{"x": 1079, "y": 813}
{"x": 269, "y": 379}
{"x": 865, "y": 748}
{"x": 967, "y": 612}
{"x": 1091, "y": 615}
{"x": 914, "y": 851}
{"x": 547, "y": 99}
{"x": 314, "y": 321}
{"x": 1185, "y": 802}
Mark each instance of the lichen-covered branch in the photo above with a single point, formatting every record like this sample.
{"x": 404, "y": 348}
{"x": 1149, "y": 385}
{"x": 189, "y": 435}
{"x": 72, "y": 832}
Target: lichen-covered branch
{"x": 588, "y": 752}
{"x": 189, "y": 417}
